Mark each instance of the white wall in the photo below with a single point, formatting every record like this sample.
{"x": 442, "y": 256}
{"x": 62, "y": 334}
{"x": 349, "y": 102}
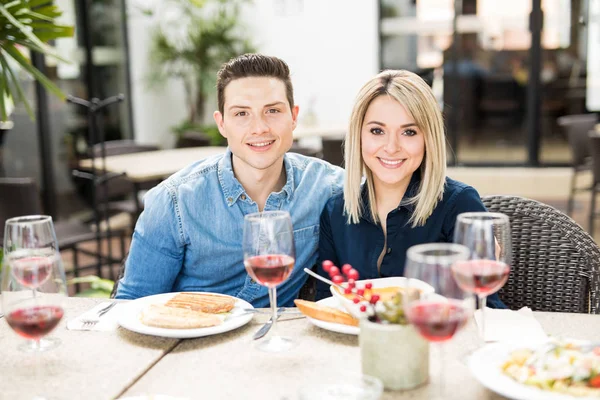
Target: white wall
{"x": 331, "y": 47}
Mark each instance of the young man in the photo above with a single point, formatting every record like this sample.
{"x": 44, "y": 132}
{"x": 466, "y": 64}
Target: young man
{"x": 189, "y": 237}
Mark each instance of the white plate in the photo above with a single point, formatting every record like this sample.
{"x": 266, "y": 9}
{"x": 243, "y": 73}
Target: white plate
{"x": 130, "y": 319}
{"x": 332, "y": 326}
{"x": 393, "y": 281}
{"x": 485, "y": 364}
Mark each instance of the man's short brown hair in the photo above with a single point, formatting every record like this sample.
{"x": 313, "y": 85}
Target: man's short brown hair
{"x": 253, "y": 65}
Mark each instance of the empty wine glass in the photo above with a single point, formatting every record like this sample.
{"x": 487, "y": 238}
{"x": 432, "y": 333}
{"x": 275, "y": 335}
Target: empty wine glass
{"x": 487, "y": 235}
{"x": 33, "y": 280}
{"x": 269, "y": 257}
{"x": 439, "y": 312}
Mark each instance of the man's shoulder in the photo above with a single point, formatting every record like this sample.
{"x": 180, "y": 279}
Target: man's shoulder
{"x": 194, "y": 174}
{"x": 306, "y": 167}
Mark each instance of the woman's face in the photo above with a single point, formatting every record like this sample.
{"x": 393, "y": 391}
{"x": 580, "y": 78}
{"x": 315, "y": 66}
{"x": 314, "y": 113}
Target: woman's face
{"x": 393, "y": 145}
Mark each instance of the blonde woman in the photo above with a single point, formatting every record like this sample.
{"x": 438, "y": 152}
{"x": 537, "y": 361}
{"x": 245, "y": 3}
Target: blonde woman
{"x": 396, "y": 192}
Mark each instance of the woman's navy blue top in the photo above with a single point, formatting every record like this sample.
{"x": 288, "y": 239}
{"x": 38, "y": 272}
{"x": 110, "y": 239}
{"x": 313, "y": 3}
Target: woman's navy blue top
{"x": 360, "y": 245}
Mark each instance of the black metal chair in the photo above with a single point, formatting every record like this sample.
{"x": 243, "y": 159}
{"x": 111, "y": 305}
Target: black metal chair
{"x": 576, "y": 128}
{"x": 20, "y": 196}
{"x": 556, "y": 264}
{"x": 119, "y": 189}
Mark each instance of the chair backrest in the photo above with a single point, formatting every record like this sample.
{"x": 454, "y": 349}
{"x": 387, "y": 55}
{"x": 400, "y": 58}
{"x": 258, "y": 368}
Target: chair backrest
{"x": 576, "y": 128}
{"x": 556, "y": 264}
{"x": 120, "y": 186}
{"x": 18, "y": 196}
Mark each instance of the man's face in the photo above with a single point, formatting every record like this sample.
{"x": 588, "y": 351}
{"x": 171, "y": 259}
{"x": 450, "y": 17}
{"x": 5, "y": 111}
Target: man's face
{"x": 257, "y": 121}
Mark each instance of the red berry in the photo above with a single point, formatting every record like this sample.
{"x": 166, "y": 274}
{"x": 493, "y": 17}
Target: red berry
{"x": 363, "y": 308}
{"x": 352, "y": 274}
{"x": 347, "y": 290}
{"x": 333, "y": 271}
{"x": 368, "y": 285}
{"x": 351, "y": 283}
{"x": 346, "y": 268}
{"x": 360, "y": 292}
{"x": 356, "y": 300}
{"x": 327, "y": 265}
{"x": 374, "y": 298}
{"x": 337, "y": 279}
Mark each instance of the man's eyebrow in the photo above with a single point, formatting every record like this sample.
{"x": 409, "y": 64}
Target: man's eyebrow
{"x": 382, "y": 124}
{"x": 277, "y": 103}
{"x": 237, "y": 106}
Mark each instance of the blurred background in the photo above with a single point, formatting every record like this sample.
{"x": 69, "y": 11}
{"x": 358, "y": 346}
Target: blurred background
{"x": 504, "y": 73}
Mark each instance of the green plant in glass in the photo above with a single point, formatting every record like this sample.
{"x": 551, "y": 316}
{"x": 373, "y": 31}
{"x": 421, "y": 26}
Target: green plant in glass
{"x": 192, "y": 47}
{"x": 26, "y": 25}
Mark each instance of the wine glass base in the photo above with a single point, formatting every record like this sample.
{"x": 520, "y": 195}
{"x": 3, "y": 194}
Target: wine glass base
{"x": 276, "y": 344}
{"x": 31, "y": 346}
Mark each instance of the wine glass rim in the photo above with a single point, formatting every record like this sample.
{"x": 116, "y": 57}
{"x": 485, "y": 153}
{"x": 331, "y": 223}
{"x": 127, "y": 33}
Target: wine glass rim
{"x": 482, "y": 216}
{"x": 29, "y": 220}
{"x": 456, "y": 252}
{"x": 266, "y": 214}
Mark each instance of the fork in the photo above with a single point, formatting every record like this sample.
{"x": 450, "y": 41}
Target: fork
{"x": 89, "y": 324}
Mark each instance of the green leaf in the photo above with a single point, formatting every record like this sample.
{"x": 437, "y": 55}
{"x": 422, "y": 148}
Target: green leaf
{"x": 17, "y": 86}
{"x": 27, "y": 32}
{"x": 94, "y": 293}
{"x": 103, "y": 284}
{"x": 24, "y": 63}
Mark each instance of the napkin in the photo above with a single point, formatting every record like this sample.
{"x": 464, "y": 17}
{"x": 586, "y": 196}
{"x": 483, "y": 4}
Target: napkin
{"x": 503, "y": 325}
{"x": 108, "y": 322}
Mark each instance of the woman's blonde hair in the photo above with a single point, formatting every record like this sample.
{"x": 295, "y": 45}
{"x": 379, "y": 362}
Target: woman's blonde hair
{"x": 416, "y": 96}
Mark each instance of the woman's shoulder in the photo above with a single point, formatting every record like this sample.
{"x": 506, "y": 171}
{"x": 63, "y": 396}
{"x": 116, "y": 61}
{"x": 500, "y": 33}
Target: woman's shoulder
{"x": 335, "y": 205}
{"x": 461, "y": 196}
{"x": 454, "y": 188}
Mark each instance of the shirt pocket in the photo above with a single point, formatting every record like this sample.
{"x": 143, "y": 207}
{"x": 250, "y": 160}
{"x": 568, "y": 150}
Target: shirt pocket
{"x": 310, "y": 232}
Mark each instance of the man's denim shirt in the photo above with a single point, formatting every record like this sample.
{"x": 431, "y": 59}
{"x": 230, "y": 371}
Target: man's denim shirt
{"x": 189, "y": 237}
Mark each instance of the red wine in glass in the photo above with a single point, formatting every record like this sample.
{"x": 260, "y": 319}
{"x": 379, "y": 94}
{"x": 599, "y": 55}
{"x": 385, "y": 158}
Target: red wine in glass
{"x": 270, "y": 269}
{"x": 481, "y": 277}
{"x": 437, "y": 321}
{"x": 32, "y": 272}
{"x": 34, "y": 322}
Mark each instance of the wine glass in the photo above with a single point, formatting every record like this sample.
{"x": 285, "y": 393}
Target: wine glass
{"x": 269, "y": 257}
{"x": 439, "y": 312}
{"x": 487, "y": 235}
{"x": 33, "y": 280}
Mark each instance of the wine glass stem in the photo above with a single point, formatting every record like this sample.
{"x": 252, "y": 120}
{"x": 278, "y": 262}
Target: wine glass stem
{"x": 441, "y": 375}
{"x": 482, "y": 301}
{"x": 273, "y": 298}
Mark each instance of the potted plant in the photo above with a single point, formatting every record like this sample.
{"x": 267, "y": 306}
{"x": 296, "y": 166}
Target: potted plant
{"x": 190, "y": 43}
{"x": 25, "y": 25}
{"x": 391, "y": 348}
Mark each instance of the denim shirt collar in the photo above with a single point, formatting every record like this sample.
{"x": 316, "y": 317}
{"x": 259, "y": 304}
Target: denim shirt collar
{"x": 411, "y": 191}
{"x": 233, "y": 189}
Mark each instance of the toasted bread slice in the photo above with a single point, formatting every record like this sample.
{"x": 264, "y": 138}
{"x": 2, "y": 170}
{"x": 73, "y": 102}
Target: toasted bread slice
{"x": 324, "y": 313}
{"x": 205, "y": 302}
{"x": 161, "y": 316}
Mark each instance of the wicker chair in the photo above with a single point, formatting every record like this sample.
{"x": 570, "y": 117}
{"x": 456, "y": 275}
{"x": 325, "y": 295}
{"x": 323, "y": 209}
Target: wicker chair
{"x": 556, "y": 264}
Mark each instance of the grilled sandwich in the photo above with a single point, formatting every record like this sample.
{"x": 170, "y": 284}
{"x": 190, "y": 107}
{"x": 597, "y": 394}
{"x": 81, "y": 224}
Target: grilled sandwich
{"x": 204, "y": 302}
